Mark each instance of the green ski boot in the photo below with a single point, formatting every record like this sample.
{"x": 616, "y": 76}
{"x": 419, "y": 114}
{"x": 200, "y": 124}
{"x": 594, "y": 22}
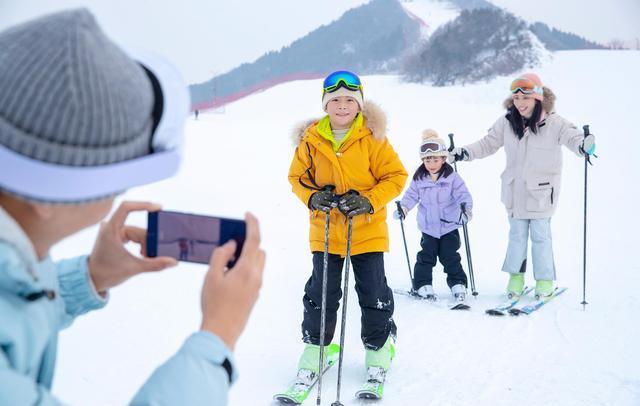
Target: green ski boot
{"x": 544, "y": 288}
{"x": 516, "y": 285}
{"x": 307, "y": 375}
{"x": 378, "y": 363}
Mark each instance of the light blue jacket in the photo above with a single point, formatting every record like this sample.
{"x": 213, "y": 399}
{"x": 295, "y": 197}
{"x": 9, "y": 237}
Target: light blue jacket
{"x": 39, "y": 298}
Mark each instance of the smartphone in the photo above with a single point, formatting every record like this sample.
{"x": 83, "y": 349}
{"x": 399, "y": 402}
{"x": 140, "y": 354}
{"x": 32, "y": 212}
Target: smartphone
{"x": 191, "y": 237}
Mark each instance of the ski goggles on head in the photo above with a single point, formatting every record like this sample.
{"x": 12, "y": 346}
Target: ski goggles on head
{"x": 341, "y": 78}
{"x": 432, "y": 147}
{"x": 525, "y": 86}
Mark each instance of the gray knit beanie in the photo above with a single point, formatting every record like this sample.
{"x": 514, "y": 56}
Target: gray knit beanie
{"x": 69, "y": 95}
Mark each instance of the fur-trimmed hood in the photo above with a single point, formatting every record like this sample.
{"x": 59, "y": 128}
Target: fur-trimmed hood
{"x": 548, "y": 104}
{"x": 374, "y": 118}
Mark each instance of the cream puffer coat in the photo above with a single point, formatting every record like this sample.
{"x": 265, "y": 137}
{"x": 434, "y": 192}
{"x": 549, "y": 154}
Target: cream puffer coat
{"x": 531, "y": 179}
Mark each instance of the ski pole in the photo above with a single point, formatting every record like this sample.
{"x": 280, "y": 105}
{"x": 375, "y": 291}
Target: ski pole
{"x": 585, "y": 128}
{"x": 465, "y": 232}
{"x": 404, "y": 239}
{"x": 323, "y": 307}
{"x": 345, "y": 292}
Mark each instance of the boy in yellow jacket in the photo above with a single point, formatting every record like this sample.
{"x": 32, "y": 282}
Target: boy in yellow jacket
{"x": 348, "y": 150}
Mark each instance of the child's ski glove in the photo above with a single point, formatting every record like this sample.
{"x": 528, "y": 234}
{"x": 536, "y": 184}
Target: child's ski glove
{"x": 400, "y": 214}
{"x": 458, "y": 154}
{"x": 465, "y": 214}
{"x": 464, "y": 218}
{"x": 352, "y": 204}
{"x": 324, "y": 200}
{"x": 588, "y": 146}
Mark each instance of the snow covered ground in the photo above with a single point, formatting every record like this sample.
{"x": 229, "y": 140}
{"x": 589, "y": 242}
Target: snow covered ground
{"x": 238, "y": 161}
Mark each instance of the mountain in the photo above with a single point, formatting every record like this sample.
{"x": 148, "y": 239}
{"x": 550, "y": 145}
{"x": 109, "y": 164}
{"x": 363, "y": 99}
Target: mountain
{"x": 368, "y": 39}
{"x": 442, "y": 42}
{"x": 556, "y": 40}
{"x": 479, "y": 44}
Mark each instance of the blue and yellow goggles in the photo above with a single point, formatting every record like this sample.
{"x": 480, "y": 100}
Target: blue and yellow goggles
{"x": 341, "y": 78}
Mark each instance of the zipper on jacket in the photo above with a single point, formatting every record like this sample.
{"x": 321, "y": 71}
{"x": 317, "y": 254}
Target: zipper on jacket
{"x": 551, "y": 195}
{"x": 32, "y": 297}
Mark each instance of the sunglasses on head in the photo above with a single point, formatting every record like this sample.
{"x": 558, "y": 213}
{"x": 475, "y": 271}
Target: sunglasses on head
{"x": 432, "y": 147}
{"x": 340, "y": 79}
{"x": 525, "y": 86}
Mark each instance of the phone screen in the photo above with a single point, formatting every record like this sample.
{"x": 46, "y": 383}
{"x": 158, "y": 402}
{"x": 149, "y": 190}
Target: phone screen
{"x": 191, "y": 237}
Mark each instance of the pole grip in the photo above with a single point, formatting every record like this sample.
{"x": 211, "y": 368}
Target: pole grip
{"x": 451, "y": 144}
{"x": 585, "y": 129}
{"x": 399, "y": 207}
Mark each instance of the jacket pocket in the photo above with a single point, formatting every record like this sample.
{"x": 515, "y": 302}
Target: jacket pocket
{"x": 506, "y": 193}
{"x": 450, "y": 213}
{"x": 540, "y": 190}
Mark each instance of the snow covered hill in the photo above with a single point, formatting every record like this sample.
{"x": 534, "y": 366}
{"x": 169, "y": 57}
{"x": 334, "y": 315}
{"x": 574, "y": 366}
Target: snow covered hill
{"x": 238, "y": 161}
{"x": 432, "y": 13}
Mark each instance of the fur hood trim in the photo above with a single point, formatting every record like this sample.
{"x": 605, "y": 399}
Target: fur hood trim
{"x": 374, "y": 118}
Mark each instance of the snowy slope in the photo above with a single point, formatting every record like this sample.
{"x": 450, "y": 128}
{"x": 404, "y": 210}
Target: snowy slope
{"x": 238, "y": 161}
{"x": 432, "y": 13}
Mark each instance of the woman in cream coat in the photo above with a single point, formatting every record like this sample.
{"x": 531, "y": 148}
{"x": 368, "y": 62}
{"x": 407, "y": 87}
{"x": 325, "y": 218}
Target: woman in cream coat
{"x": 532, "y": 135}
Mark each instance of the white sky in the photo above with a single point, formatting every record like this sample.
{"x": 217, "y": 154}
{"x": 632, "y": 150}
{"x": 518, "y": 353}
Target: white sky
{"x": 598, "y": 20}
{"x": 201, "y": 37}
{"x": 210, "y": 37}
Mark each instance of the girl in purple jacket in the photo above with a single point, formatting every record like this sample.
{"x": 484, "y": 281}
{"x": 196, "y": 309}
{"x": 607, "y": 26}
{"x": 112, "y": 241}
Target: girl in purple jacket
{"x": 444, "y": 204}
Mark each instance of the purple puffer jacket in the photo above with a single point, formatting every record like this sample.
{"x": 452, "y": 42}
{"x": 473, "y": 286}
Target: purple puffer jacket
{"x": 439, "y": 202}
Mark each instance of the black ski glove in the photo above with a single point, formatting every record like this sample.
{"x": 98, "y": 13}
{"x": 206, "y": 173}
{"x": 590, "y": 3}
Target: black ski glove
{"x": 324, "y": 200}
{"x": 352, "y": 204}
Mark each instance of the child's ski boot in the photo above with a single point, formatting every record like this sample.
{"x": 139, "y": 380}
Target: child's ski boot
{"x": 426, "y": 292}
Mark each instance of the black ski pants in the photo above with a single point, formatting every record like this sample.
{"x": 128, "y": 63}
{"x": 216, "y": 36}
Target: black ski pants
{"x": 374, "y": 295}
{"x": 446, "y": 249}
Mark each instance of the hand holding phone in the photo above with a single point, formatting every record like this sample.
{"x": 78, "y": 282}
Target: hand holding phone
{"x": 192, "y": 237}
{"x": 228, "y": 297}
{"x": 110, "y": 263}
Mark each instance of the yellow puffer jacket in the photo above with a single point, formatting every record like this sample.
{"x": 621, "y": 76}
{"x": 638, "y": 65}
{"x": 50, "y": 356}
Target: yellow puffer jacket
{"x": 365, "y": 162}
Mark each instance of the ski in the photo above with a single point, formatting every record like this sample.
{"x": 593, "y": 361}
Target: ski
{"x": 415, "y": 295}
{"x": 532, "y": 307}
{"x": 459, "y": 306}
{"x": 503, "y": 308}
{"x": 451, "y": 305}
{"x": 300, "y": 388}
{"x": 373, "y": 388}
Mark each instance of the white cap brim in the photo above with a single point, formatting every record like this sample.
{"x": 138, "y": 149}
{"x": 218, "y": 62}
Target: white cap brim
{"x": 44, "y": 181}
